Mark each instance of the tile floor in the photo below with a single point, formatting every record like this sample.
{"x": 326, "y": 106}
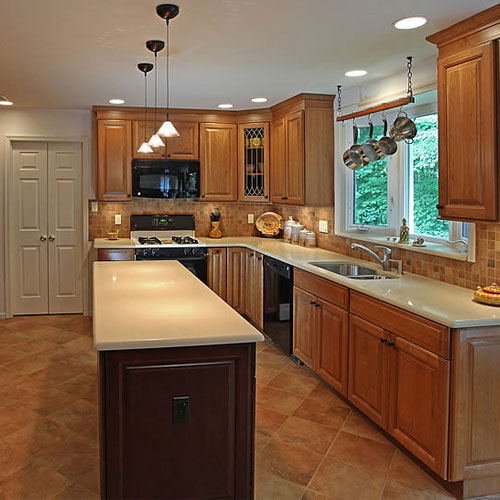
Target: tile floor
{"x": 309, "y": 444}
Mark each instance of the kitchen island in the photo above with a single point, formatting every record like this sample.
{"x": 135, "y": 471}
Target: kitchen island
{"x": 177, "y": 385}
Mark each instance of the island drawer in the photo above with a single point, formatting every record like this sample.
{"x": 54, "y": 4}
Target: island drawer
{"x": 324, "y": 289}
{"x": 421, "y": 331}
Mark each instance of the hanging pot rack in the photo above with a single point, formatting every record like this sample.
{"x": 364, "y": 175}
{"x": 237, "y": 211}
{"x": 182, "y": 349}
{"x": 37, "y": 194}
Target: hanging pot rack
{"x": 380, "y": 107}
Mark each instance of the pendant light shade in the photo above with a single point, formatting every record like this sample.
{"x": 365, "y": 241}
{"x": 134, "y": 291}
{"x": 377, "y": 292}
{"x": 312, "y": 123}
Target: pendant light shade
{"x": 168, "y": 11}
{"x": 167, "y": 129}
{"x": 156, "y": 141}
{"x": 145, "y": 68}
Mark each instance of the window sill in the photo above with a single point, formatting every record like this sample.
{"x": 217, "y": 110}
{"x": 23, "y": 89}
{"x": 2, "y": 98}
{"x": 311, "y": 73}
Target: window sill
{"x": 445, "y": 250}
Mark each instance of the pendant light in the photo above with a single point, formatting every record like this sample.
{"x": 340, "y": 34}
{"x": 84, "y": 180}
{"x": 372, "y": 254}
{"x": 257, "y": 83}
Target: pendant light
{"x": 145, "y": 68}
{"x": 155, "y": 46}
{"x": 168, "y": 11}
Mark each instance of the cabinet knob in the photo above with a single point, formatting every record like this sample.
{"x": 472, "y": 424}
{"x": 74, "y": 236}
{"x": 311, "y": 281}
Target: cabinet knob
{"x": 203, "y": 196}
{"x": 439, "y": 207}
{"x": 312, "y": 303}
{"x": 383, "y": 341}
{"x": 390, "y": 344}
{"x": 317, "y": 305}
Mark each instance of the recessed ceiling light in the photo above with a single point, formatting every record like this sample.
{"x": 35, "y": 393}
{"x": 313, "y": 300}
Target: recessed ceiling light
{"x": 4, "y": 101}
{"x": 356, "y": 72}
{"x": 409, "y": 23}
{"x": 225, "y": 106}
{"x": 116, "y": 101}
{"x": 259, "y": 99}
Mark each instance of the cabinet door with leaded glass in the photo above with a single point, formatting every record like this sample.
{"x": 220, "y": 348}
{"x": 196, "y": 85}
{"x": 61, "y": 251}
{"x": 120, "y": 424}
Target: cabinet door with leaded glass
{"x": 254, "y": 161}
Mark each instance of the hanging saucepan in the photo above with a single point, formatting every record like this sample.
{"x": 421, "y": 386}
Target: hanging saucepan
{"x": 356, "y": 152}
{"x": 348, "y": 161}
{"x": 403, "y": 128}
{"x": 387, "y": 145}
{"x": 370, "y": 146}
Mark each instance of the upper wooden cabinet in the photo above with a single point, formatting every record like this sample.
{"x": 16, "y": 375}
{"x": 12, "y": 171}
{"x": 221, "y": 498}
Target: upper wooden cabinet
{"x": 302, "y": 151}
{"x": 218, "y": 158}
{"x": 114, "y": 160}
{"x": 184, "y": 147}
{"x": 253, "y": 159}
{"x": 468, "y": 118}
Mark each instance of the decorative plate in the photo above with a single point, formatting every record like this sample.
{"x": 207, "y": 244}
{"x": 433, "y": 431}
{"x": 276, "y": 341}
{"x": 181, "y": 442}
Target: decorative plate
{"x": 269, "y": 224}
{"x": 488, "y": 295}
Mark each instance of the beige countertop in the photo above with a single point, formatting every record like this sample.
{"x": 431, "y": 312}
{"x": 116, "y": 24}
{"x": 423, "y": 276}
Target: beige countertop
{"x": 152, "y": 304}
{"x": 446, "y": 304}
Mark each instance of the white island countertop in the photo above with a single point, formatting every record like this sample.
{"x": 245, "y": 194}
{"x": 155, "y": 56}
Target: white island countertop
{"x": 441, "y": 302}
{"x": 153, "y": 304}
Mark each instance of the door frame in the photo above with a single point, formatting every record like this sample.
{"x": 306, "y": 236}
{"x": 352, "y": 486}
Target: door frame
{"x": 85, "y": 192}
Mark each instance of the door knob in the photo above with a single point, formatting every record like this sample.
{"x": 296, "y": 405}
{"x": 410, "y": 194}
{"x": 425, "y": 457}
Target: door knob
{"x": 43, "y": 237}
{"x": 52, "y": 238}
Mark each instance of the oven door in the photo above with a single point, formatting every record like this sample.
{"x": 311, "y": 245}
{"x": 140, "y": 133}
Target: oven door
{"x": 165, "y": 179}
{"x": 197, "y": 264}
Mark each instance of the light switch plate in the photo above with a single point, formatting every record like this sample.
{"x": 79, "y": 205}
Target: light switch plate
{"x": 95, "y": 206}
{"x": 118, "y": 219}
{"x": 323, "y": 226}
{"x": 250, "y": 218}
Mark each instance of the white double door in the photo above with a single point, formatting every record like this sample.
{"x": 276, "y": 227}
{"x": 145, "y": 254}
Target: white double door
{"x": 46, "y": 228}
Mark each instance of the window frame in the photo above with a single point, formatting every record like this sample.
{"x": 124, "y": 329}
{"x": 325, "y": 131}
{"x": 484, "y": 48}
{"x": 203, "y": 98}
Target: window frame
{"x": 398, "y": 193}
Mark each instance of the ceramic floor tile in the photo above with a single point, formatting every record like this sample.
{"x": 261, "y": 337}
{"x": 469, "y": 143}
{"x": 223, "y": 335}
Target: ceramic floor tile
{"x": 268, "y": 421}
{"x": 322, "y": 411}
{"x": 341, "y": 481}
{"x": 77, "y": 492}
{"x": 264, "y": 375}
{"x": 299, "y": 370}
{"x": 272, "y": 360}
{"x": 10, "y": 354}
{"x": 83, "y": 385}
{"x": 30, "y": 364}
{"x": 14, "y": 418}
{"x": 278, "y": 400}
{"x": 294, "y": 383}
{"x": 23, "y": 388}
{"x": 11, "y": 459}
{"x": 48, "y": 401}
{"x": 8, "y": 376}
{"x": 33, "y": 482}
{"x": 55, "y": 373}
{"x": 358, "y": 424}
{"x": 270, "y": 486}
{"x": 362, "y": 452}
{"x": 289, "y": 462}
{"x": 306, "y": 434}
{"x": 80, "y": 417}
{"x": 314, "y": 495}
{"x": 83, "y": 343}
{"x": 394, "y": 490}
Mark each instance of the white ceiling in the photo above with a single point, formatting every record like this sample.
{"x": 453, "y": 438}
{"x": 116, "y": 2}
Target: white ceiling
{"x": 74, "y": 53}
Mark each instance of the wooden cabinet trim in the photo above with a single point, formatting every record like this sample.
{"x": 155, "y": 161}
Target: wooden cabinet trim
{"x": 327, "y": 290}
{"x": 217, "y": 271}
{"x": 236, "y": 276}
{"x": 421, "y": 331}
{"x": 115, "y": 254}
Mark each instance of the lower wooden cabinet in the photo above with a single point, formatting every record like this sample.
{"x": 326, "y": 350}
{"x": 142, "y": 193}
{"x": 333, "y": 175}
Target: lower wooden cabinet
{"x": 320, "y": 338}
{"x": 177, "y": 423}
{"x": 236, "y": 275}
{"x": 403, "y": 388}
{"x": 369, "y": 369}
{"x": 217, "y": 271}
{"x": 418, "y": 402}
{"x": 115, "y": 254}
{"x": 253, "y": 285}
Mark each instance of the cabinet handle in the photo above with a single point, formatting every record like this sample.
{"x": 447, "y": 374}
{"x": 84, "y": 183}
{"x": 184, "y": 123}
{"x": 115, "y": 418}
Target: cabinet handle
{"x": 259, "y": 258}
{"x": 317, "y": 305}
{"x": 391, "y": 344}
{"x": 312, "y": 303}
{"x": 439, "y": 207}
{"x": 43, "y": 237}
{"x": 383, "y": 341}
{"x": 203, "y": 196}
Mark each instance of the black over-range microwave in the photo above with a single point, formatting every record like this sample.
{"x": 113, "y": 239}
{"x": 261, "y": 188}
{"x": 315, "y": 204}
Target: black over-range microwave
{"x": 165, "y": 178}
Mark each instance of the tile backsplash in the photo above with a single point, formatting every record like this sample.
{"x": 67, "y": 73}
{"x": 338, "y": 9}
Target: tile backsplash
{"x": 234, "y": 223}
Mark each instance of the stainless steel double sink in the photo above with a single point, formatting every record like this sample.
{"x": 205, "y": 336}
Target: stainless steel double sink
{"x": 351, "y": 271}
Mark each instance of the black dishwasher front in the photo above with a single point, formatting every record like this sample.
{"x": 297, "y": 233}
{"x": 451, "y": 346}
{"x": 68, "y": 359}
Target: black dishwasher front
{"x": 278, "y": 303}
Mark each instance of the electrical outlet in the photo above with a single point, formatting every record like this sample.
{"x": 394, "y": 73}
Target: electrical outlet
{"x": 250, "y": 218}
{"x": 323, "y": 226}
{"x": 94, "y": 206}
{"x": 118, "y": 219}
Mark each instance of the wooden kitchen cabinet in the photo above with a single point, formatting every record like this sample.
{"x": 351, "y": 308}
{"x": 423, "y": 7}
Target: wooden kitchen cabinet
{"x": 178, "y": 422}
{"x": 302, "y": 151}
{"x": 253, "y": 159}
{"x": 114, "y": 254}
{"x": 217, "y": 271}
{"x": 253, "y": 287}
{"x": 218, "y": 159}
{"x": 114, "y": 160}
{"x": 236, "y": 278}
{"x": 418, "y": 402}
{"x": 468, "y": 79}
{"x": 138, "y": 139}
{"x": 369, "y": 369}
{"x": 320, "y": 328}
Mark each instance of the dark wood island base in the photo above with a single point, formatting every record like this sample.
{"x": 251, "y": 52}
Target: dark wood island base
{"x": 177, "y": 423}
